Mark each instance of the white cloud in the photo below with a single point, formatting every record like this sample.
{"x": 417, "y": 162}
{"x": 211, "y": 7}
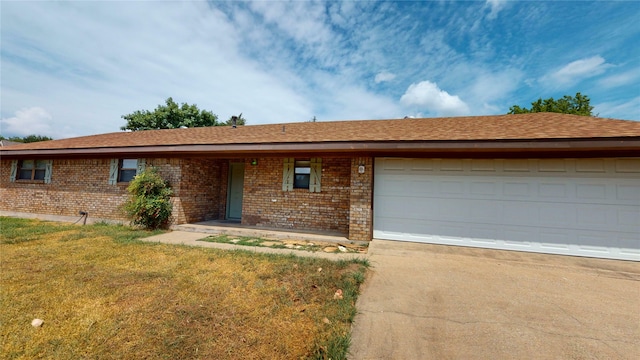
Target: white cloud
{"x": 384, "y": 76}
{"x": 29, "y": 121}
{"x": 578, "y": 70}
{"x": 490, "y": 87}
{"x": 428, "y": 95}
{"x": 622, "y": 79}
{"x": 629, "y": 109}
{"x": 496, "y": 6}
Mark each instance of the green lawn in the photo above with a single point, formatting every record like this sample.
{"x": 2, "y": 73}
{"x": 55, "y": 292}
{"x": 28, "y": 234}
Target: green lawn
{"x": 105, "y": 295}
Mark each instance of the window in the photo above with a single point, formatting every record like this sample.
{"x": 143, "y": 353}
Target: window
{"x": 124, "y": 170}
{"x": 32, "y": 170}
{"x": 127, "y": 169}
{"x": 302, "y": 173}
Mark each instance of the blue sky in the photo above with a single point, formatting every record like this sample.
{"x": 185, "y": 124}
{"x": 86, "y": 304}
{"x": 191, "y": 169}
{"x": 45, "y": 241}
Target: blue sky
{"x": 74, "y": 68}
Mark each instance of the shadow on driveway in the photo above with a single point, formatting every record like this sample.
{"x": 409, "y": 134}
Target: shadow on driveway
{"x": 443, "y": 302}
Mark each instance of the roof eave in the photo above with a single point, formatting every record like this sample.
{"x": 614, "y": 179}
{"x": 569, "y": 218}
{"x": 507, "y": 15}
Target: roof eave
{"x": 624, "y": 146}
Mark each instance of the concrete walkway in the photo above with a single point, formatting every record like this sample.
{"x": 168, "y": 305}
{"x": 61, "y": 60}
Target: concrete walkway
{"x": 424, "y": 301}
{"x": 190, "y": 238}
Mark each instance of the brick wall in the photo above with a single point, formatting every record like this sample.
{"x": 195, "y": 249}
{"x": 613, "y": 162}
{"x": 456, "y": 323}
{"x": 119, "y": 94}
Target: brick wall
{"x": 360, "y": 200}
{"x": 200, "y": 189}
{"x": 200, "y": 193}
{"x": 83, "y": 185}
{"x": 266, "y": 204}
{"x": 76, "y": 185}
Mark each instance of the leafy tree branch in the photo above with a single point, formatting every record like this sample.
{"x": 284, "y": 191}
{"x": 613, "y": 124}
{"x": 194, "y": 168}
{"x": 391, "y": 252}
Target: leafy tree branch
{"x": 578, "y": 105}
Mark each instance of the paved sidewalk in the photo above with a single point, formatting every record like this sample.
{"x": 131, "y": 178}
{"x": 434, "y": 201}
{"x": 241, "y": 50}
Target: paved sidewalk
{"x": 423, "y": 301}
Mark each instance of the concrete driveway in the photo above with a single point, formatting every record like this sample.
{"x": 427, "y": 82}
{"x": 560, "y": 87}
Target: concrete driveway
{"x": 442, "y": 302}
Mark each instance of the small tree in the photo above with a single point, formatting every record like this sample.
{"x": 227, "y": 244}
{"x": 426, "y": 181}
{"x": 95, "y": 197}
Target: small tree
{"x": 149, "y": 202}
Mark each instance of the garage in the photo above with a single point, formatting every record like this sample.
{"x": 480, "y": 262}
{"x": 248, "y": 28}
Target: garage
{"x": 581, "y": 207}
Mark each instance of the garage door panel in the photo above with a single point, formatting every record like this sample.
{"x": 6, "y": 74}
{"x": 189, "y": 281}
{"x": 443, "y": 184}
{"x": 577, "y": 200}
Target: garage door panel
{"x": 554, "y": 239}
{"x": 594, "y": 243}
{"x": 483, "y": 236}
{"x": 559, "y": 215}
{"x": 627, "y": 165}
{"x": 520, "y": 235}
{"x": 594, "y": 216}
{"x": 412, "y": 208}
{"x": 552, "y": 190}
{"x": 391, "y": 165}
{"x": 394, "y": 185}
{"x": 629, "y": 217}
{"x": 590, "y": 165}
{"x": 629, "y": 246}
{"x": 425, "y": 187}
{"x": 629, "y": 192}
{"x": 484, "y": 188}
{"x": 586, "y": 207}
{"x": 519, "y": 213}
{"x": 452, "y": 187}
{"x": 591, "y": 191}
{"x": 516, "y": 190}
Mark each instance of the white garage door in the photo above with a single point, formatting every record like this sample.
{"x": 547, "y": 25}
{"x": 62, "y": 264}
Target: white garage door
{"x": 584, "y": 207}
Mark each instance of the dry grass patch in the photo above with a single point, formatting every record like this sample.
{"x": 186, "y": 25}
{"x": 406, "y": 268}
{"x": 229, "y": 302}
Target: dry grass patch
{"x": 104, "y": 295}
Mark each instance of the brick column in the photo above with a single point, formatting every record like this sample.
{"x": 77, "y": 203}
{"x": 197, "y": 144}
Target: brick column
{"x": 360, "y": 200}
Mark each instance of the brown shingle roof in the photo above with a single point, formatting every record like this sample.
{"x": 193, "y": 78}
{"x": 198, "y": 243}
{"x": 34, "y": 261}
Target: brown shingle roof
{"x": 535, "y": 126}
{"x": 539, "y": 134}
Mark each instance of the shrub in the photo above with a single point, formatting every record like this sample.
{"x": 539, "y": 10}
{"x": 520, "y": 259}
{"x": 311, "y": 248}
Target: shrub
{"x": 149, "y": 202}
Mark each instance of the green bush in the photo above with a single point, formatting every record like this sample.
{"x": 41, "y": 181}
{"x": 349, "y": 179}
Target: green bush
{"x": 149, "y": 202}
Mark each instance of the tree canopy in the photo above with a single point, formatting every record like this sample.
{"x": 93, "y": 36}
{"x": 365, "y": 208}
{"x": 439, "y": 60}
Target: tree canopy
{"x": 170, "y": 116}
{"x": 578, "y": 105}
{"x": 27, "y": 139}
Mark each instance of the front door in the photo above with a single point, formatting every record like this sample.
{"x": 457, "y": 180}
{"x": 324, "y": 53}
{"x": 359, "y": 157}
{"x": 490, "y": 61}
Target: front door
{"x": 236, "y": 184}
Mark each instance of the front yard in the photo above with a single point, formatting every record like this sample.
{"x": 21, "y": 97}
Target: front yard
{"x": 103, "y": 294}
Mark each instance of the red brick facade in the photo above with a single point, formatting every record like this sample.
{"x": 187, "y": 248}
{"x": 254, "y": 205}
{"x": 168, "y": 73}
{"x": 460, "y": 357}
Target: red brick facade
{"x": 200, "y": 193}
{"x": 76, "y": 185}
{"x": 266, "y": 204}
{"x": 360, "y": 199}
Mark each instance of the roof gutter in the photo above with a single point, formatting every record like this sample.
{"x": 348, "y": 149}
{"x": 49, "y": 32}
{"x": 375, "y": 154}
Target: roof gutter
{"x": 629, "y": 147}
